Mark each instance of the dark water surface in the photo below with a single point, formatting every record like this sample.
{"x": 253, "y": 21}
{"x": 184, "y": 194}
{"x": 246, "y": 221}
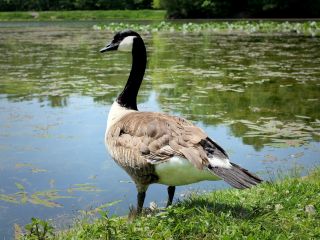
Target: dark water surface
{"x": 258, "y": 96}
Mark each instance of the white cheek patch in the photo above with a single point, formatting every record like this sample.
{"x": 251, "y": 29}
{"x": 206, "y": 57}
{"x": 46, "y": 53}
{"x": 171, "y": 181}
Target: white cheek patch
{"x": 126, "y": 44}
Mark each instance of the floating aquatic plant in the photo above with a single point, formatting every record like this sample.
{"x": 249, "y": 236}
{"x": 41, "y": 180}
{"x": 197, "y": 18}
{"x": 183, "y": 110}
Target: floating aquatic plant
{"x": 44, "y": 198}
{"x": 30, "y": 166}
{"x": 83, "y": 187}
{"x": 307, "y": 28}
{"x": 282, "y": 134}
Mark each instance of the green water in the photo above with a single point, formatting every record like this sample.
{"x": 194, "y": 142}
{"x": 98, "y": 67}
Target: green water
{"x": 256, "y": 95}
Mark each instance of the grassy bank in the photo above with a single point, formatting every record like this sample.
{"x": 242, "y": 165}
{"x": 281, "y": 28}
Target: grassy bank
{"x": 289, "y": 209}
{"x": 83, "y": 15}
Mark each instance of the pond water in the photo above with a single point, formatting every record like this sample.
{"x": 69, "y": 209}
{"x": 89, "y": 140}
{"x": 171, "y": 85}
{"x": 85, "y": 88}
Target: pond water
{"x": 258, "y": 96}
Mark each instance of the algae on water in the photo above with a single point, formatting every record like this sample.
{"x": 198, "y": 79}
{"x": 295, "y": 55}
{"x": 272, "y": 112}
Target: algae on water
{"x": 306, "y": 28}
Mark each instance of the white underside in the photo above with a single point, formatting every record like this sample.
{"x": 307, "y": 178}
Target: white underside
{"x": 179, "y": 171}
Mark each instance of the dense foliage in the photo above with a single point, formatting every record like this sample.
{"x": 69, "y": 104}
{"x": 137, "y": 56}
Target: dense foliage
{"x": 241, "y": 8}
{"x": 181, "y": 8}
{"x": 45, "y": 5}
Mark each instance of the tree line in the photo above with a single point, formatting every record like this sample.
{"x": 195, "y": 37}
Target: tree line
{"x": 56, "y": 5}
{"x": 242, "y": 8}
{"x": 181, "y": 8}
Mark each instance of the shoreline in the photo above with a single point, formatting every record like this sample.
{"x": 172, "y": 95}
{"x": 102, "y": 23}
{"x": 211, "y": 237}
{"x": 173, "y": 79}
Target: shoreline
{"x": 82, "y": 15}
{"x": 145, "y": 14}
{"x": 283, "y": 209}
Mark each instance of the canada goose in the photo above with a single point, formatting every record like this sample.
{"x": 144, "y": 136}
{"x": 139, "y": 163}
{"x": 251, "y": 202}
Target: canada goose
{"x": 159, "y": 148}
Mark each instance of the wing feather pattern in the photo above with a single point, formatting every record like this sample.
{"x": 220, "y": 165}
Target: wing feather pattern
{"x": 140, "y": 140}
{"x": 156, "y": 137}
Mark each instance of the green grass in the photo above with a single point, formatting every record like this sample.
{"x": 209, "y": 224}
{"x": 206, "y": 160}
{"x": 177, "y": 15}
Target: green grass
{"x": 288, "y": 209}
{"x": 83, "y": 15}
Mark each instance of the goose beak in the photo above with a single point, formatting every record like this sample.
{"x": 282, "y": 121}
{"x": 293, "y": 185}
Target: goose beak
{"x": 109, "y": 47}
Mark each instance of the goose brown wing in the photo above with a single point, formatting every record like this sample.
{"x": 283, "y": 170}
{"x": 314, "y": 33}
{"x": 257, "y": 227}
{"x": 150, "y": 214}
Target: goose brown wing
{"x": 140, "y": 140}
{"x": 156, "y": 137}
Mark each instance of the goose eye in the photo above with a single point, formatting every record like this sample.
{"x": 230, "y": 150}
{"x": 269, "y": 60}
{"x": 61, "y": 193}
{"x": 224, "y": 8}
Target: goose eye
{"x": 117, "y": 40}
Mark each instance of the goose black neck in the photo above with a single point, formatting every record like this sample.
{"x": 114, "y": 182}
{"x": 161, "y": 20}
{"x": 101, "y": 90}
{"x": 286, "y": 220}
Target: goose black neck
{"x": 128, "y": 97}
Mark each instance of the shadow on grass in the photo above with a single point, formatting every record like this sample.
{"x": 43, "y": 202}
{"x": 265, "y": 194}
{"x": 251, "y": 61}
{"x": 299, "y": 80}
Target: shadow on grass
{"x": 218, "y": 208}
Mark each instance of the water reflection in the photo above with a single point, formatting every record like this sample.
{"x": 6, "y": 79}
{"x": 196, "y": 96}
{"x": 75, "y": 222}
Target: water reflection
{"x": 235, "y": 78}
{"x": 258, "y": 96}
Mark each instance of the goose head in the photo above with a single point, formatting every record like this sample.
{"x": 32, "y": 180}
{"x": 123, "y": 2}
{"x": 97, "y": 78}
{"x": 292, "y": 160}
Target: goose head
{"x": 130, "y": 41}
{"x": 122, "y": 41}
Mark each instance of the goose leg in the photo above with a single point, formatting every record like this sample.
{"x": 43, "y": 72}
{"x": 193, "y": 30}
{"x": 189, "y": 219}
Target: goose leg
{"x": 142, "y": 189}
{"x": 141, "y": 196}
{"x": 171, "y": 190}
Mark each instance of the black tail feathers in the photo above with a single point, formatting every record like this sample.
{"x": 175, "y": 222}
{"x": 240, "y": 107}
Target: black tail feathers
{"x": 237, "y": 176}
